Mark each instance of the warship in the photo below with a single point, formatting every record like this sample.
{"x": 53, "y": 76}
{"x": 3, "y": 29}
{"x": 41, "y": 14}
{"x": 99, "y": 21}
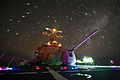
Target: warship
{"x": 52, "y": 52}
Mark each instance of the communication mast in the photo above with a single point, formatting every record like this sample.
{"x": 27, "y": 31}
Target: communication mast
{"x": 53, "y": 36}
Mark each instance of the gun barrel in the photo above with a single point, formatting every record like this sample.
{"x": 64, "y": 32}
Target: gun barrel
{"x": 85, "y": 39}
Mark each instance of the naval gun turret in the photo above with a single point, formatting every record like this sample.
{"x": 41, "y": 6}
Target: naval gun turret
{"x": 68, "y": 57}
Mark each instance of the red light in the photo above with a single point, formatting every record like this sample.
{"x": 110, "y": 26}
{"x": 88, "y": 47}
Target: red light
{"x": 83, "y": 67}
{"x": 91, "y": 67}
{"x": 0, "y": 68}
{"x": 64, "y": 68}
{"x": 37, "y": 67}
{"x": 113, "y": 66}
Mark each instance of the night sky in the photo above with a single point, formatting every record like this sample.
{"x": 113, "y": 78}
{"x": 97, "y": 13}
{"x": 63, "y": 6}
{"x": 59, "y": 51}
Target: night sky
{"x": 23, "y": 21}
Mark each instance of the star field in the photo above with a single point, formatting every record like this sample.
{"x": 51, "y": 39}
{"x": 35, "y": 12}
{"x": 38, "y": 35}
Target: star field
{"x": 23, "y": 21}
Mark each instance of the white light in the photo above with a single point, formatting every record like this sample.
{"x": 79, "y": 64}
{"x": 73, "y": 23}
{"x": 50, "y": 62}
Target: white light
{"x": 59, "y": 45}
{"x": 86, "y": 13}
{"x": 47, "y": 28}
{"x": 72, "y": 68}
{"x": 36, "y": 54}
{"x": 10, "y": 20}
{"x": 28, "y": 4}
{"x": 88, "y": 59}
{"x": 23, "y": 16}
{"x": 8, "y": 30}
{"x": 60, "y": 31}
{"x": 70, "y": 18}
{"x": 16, "y": 33}
{"x": 8, "y": 68}
{"x": 27, "y": 12}
{"x": 88, "y": 76}
{"x": 94, "y": 12}
{"x": 55, "y": 20}
{"x": 54, "y": 29}
{"x": 55, "y": 42}
{"x": 48, "y": 43}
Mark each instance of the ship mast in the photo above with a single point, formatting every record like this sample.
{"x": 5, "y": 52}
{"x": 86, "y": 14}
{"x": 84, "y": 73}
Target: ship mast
{"x": 53, "y": 36}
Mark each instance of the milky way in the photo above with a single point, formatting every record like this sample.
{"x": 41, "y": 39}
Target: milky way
{"x": 23, "y": 21}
